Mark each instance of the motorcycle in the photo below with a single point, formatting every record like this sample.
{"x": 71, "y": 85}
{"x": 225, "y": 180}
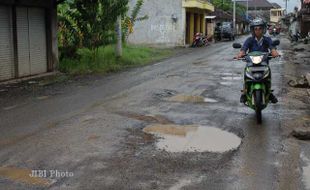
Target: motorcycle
{"x": 307, "y": 38}
{"x": 200, "y": 40}
{"x": 274, "y": 32}
{"x": 257, "y": 79}
{"x": 295, "y": 37}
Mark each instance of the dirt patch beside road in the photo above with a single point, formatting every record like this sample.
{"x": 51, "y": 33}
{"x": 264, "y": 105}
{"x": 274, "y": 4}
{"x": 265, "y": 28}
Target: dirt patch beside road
{"x": 296, "y": 122}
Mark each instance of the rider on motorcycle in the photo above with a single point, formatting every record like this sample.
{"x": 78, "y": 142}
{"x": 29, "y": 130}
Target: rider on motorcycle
{"x": 258, "y": 42}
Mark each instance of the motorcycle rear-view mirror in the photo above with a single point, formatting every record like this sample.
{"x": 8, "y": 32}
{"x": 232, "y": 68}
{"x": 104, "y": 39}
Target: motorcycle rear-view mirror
{"x": 236, "y": 45}
{"x": 276, "y": 42}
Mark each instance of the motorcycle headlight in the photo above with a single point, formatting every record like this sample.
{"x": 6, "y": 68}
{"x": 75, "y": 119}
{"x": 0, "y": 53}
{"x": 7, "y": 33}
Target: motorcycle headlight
{"x": 256, "y": 59}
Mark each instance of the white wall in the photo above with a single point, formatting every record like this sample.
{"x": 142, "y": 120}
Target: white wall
{"x": 159, "y": 28}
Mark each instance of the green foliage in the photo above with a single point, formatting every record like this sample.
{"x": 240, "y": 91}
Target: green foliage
{"x": 227, "y": 5}
{"x": 134, "y": 15}
{"x": 68, "y": 34}
{"x": 107, "y": 62}
{"x": 88, "y": 24}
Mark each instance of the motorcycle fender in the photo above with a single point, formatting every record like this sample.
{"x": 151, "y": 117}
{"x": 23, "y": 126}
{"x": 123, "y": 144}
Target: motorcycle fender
{"x": 259, "y": 86}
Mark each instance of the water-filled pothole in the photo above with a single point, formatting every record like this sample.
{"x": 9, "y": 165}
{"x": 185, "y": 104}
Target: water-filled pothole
{"x": 226, "y": 83}
{"x": 24, "y": 176}
{"x": 192, "y": 138}
{"x": 191, "y": 99}
{"x": 229, "y": 78}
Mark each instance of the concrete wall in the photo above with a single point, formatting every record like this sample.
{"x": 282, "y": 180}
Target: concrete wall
{"x": 159, "y": 29}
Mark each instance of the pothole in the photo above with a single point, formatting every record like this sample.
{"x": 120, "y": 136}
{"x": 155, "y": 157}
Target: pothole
{"x": 191, "y": 99}
{"x": 301, "y": 133}
{"x": 147, "y": 118}
{"x": 200, "y": 63}
{"x": 192, "y": 138}
{"x": 165, "y": 93}
{"x": 230, "y": 74}
{"x": 24, "y": 176}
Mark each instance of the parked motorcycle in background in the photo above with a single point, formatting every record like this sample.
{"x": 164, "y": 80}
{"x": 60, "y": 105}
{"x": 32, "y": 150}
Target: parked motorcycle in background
{"x": 295, "y": 37}
{"x": 200, "y": 40}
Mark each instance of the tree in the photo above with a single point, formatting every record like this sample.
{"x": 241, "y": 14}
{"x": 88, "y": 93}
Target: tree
{"x": 89, "y": 23}
{"x": 129, "y": 21}
{"x": 96, "y": 18}
{"x": 226, "y": 5}
{"x": 118, "y": 49}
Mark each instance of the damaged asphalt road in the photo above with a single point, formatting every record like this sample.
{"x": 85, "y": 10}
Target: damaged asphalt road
{"x": 141, "y": 129}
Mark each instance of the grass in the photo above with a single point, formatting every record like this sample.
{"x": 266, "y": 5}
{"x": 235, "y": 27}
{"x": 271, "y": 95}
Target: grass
{"x": 105, "y": 60}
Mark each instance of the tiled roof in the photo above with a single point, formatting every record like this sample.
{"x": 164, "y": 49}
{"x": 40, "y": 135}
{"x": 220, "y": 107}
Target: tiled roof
{"x": 276, "y": 6}
{"x": 257, "y": 4}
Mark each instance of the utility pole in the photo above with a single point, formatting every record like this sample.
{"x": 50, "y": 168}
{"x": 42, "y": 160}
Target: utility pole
{"x": 286, "y": 7}
{"x": 247, "y": 10}
{"x": 118, "y": 48}
{"x": 234, "y": 16}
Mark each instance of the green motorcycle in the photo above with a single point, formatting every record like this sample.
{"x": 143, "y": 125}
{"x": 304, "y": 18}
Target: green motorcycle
{"x": 257, "y": 80}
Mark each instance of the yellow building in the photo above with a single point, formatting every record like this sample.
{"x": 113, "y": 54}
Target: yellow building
{"x": 196, "y": 11}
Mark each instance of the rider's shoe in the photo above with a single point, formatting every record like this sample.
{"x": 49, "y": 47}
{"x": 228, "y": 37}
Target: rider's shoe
{"x": 243, "y": 98}
{"x": 273, "y": 99}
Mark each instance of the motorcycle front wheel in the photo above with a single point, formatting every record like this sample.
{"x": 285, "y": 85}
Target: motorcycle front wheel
{"x": 258, "y": 105}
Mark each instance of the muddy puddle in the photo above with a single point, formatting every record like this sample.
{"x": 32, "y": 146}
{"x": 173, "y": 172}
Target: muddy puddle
{"x": 191, "y": 99}
{"x": 193, "y": 138}
{"x": 23, "y": 175}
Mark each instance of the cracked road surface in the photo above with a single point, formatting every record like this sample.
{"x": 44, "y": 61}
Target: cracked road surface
{"x": 94, "y": 132}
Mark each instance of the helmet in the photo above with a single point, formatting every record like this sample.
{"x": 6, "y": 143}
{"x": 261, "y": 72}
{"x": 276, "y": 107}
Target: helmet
{"x": 258, "y": 22}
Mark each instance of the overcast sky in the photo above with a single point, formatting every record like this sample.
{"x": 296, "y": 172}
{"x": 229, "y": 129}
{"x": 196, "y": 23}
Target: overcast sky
{"x": 290, "y": 4}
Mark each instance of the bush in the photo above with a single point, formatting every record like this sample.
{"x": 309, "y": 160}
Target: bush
{"x": 105, "y": 61}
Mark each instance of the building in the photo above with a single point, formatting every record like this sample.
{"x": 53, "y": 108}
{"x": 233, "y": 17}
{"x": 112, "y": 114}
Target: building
{"x": 276, "y": 13}
{"x": 170, "y": 22}
{"x": 28, "y": 38}
{"x": 305, "y": 17}
{"x": 259, "y": 8}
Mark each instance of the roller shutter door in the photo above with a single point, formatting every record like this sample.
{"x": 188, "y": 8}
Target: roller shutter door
{"x": 31, "y": 41}
{"x": 6, "y": 44}
{"x": 22, "y": 41}
{"x": 37, "y": 40}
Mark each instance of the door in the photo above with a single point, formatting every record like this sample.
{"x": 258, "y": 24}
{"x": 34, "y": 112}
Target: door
{"x": 6, "y": 44}
{"x": 37, "y": 41}
{"x": 31, "y": 41}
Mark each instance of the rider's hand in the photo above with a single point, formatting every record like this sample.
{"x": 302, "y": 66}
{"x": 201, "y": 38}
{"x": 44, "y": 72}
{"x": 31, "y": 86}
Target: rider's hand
{"x": 274, "y": 53}
{"x": 240, "y": 54}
